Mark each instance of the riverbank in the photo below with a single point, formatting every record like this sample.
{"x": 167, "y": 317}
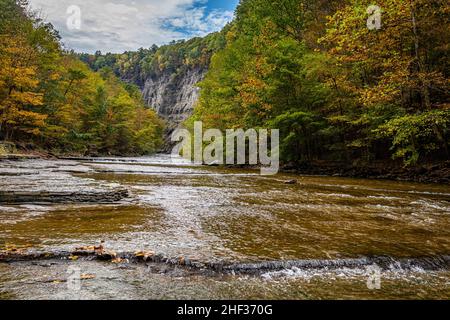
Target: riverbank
{"x": 12, "y": 151}
{"x": 17, "y": 156}
{"x": 428, "y": 173}
{"x": 438, "y": 173}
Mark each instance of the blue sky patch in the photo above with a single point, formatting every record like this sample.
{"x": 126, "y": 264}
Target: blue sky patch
{"x": 121, "y": 25}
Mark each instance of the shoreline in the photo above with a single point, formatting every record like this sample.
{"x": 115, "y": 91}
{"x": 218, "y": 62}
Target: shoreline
{"x": 435, "y": 173}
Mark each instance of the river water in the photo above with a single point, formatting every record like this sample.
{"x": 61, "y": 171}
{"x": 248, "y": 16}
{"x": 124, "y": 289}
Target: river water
{"x": 210, "y": 214}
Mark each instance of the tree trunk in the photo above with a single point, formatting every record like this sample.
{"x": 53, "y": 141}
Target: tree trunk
{"x": 424, "y": 88}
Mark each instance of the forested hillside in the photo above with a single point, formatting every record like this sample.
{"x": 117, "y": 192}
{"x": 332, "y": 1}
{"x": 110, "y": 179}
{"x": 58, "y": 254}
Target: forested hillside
{"x": 167, "y": 75}
{"x": 175, "y": 58}
{"x": 49, "y": 99}
{"x": 312, "y": 68}
{"x": 337, "y": 90}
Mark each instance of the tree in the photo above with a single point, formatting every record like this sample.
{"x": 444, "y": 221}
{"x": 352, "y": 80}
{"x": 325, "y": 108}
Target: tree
{"x": 18, "y": 96}
{"x": 52, "y": 99}
{"x": 399, "y": 67}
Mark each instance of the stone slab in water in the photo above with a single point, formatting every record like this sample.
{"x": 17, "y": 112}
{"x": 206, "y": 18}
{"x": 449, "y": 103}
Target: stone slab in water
{"x": 18, "y": 156}
{"x": 15, "y": 197}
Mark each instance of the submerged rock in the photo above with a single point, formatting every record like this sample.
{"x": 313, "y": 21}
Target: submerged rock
{"x": 385, "y": 263}
{"x": 16, "y": 197}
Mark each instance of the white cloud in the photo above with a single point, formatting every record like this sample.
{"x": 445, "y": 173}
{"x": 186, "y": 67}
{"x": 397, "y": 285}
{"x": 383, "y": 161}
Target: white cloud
{"x": 119, "y": 25}
{"x": 196, "y": 22}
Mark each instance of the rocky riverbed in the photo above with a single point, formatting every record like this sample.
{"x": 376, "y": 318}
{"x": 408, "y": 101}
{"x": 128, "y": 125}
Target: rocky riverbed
{"x": 163, "y": 228}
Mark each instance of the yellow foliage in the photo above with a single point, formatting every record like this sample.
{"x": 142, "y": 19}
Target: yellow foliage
{"x": 18, "y": 83}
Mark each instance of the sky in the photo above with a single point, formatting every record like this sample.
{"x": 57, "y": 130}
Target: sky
{"x": 120, "y": 25}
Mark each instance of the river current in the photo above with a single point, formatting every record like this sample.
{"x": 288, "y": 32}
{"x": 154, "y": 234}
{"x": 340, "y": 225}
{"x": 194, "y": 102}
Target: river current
{"x": 218, "y": 215}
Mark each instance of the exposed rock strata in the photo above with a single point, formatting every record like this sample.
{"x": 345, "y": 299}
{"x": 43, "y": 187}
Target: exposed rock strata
{"x": 432, "y": 263}
{"x": 16, "y": 197}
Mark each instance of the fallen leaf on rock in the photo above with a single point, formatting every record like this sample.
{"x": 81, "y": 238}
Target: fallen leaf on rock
{"x": 106, "y": 255}
{"x": 86, "y": 248}
{"x": 87, "y": 276}
{"x": 144, "y": 254}
{"x": 119, "y": 260}
{"x": 10, "y": 248}
{"x": 90, "y": 248}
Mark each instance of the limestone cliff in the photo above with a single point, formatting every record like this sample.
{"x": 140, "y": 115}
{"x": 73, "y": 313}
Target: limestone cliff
{"x": 167, "y": 75}
{"x": 174, "y": 95}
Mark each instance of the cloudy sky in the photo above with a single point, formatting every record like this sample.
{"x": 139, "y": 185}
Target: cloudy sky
{"x": 121, "y": 25}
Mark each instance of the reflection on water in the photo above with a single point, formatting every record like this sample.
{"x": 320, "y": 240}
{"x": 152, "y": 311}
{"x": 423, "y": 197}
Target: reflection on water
{"x": 212, "y": 214}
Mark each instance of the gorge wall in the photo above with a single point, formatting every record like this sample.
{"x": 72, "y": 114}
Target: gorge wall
{"x": 167, "y": 76}
{"x": 173, "y": 96}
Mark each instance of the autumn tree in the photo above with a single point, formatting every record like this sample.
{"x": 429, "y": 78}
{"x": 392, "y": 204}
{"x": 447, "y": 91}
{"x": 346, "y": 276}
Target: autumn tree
{"x": 397, "y": 73}
{"x": 336, "y": 89}
{"x": 19, "y": 97}
{"x": 50, "y": 98}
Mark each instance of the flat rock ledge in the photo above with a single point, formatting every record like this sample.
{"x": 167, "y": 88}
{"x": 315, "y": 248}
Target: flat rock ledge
{"x": 18, "y": 157}
{"x": 19, "y": 197}
{"x": 386, "y": 263}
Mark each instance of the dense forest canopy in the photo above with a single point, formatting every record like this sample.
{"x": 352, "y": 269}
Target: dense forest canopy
{"x": 175, "y": 58}
{"x": 336, "y": 89}
{"x": 52, "y": 100}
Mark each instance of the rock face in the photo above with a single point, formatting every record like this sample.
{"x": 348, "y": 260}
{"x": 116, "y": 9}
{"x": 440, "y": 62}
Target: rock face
{"x": 174, "y": 95}
{"x": 15, "y": 197}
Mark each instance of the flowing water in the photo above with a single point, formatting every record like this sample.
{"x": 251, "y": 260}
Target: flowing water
{"x": 210, "y": 214}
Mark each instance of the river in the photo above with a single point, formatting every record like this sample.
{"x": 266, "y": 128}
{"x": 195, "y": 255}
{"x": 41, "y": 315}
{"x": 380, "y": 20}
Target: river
{"x": 230, "y": 216}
